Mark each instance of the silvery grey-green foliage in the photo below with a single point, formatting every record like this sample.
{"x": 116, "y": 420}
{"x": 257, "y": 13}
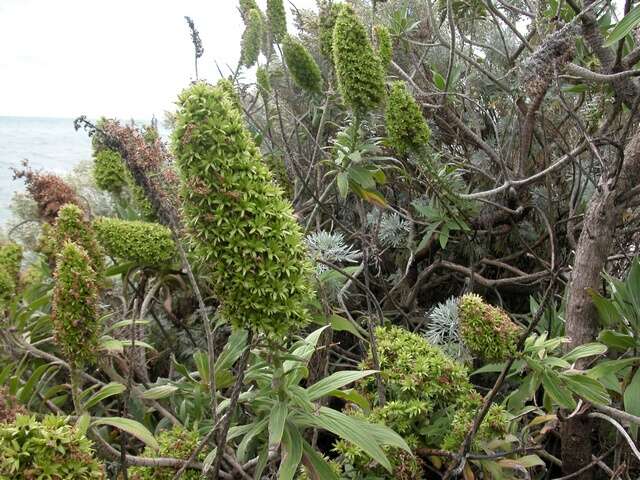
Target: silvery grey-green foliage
{"x": 443, "y": 329}
{"x": 330, "y": 247}
{"x": 391, "y": 228}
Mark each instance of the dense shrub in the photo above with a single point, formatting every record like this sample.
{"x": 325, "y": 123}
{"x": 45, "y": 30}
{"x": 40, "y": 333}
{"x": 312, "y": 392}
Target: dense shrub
{"x": 407, "y": 129}
{"x": 237, "y": 218}
{"x": 303, "y": 68}
{"x": 327, "y": 22}
{"x": 74, "y": 313}
{"x": 359, "y": 69}
{"x": 487, "y": 331}
{"x": 144, "y": 243}
{"x": 175, "y": 443}
{"x": 49, "y": 449}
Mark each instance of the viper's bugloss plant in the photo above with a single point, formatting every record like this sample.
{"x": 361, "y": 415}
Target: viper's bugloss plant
{"x": 176, "y": 443}
{"x": 47, "y": 449}
{"x": 407, "y": 129}
{"x": 109, "y": 171}
{"x": 384, "y": 45}
{"x": 263, "y": 80}
{"x": 358, "y": 68}
{"x": 245, "y": 6}
{"x": 241, "y": 227}
{"x": 494, "y": 426}
{"x": 71, "y": 226}
{"x": 328, "y": 14}
{"x": 251, "y": 39}
{"x": 277, "y": 18}
{"x": 487, "y": 331}
{"x": 74, "y": 311}
{"x": 302, "y": 66}
{"x": 144, "y": 243}
{"x": 10, "y": 261}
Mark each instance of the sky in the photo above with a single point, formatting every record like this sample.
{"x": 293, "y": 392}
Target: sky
{"x": 119, "y": 58}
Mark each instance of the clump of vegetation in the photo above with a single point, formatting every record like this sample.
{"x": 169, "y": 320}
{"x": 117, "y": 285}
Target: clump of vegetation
{"x": 407, "y": 129}
{"x": 487, "y": 331}
{"x": 237, "y": 217}
{"x": 358, "y": 68}
{"x": 74, "y": 311}
{"x": 175, "y": 443}
{"x": 302, "y": 66}
{"x": 32, "y": 449}
{"x": 109, "y": 171}
{"x": 494, "y": 426}
{"x": 277, "y": 18}
{"x": 72, "y": 226}
{"x": 251, "y": 39}
{"x": 327, "y": 21}
{"x": 9, "y": 406}
{"x": 10, "y": 262}
{"x": 144, "y": 243}
{"x": 384, "y": 45}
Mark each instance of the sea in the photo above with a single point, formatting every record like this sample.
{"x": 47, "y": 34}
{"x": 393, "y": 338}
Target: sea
{"x": 49, "y": 144}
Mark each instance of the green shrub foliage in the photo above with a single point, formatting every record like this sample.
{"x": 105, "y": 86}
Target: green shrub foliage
{"x": 494, "y": 426}
{"x": 109, "y": 171}
{"x": 240, "y": 225}
{"x": 10, "y": 261}
{"x": 384, "y": 45}
{"x": 407, "y": 129}
{"x": 277, "y": 18}
{"x": 358, "y": 68}
{"x": 302, "y": 66}
{"x": 251, "y": 39}
{"x": 175, "y": 443}
{"x": 327, "y": 22}
{"x": 144, "y": 243}
{"x": 49, "y": 449}
{"x": 487, "y": 331}
{"x": 71, "y": 226}
{"x": 74, "y": 313}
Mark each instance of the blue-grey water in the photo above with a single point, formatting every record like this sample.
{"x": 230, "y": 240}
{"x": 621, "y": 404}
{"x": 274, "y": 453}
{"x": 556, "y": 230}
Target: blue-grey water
{"x": 50, "y": 144}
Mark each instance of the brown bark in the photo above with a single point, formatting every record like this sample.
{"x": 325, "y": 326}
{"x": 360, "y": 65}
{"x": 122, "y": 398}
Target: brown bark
{"x": 590, "y": 259}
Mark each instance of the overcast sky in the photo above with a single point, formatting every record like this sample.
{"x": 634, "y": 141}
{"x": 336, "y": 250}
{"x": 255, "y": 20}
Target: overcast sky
{"x": 121, "y": 58}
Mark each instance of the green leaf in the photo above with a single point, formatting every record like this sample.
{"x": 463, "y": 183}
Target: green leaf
{"x": 131, "y": 427}
{"x": 335, "y": 381}
{"x": 443, "y": 237}
{"x": 82, "y": 424}
{"x": 438, "y": 80}
{"x": 589, "y": 389}
{"x": 26, "y": 392}
{"x": 277, "y": 419}
{"x": 208, "y": 461}
{"x": 606, "y": 308}
{"x": 161, "y": 391}
{"x": 316, "y": 467}
{"x": 258, "y": 427}
{"x": 609, "y": 367}
{"x": 556, "y": 391}
{"x": 291, "y": 453}
{"x": 616, "y": 340}
{"x": 343, "y": 184}
{"x": 109, "y": 390}
{"x": 583, "y": 351}
{"x": 361, "y": 176}
{"x": 528, "y": 461}
{"x": 624, "y": 26}
{"x": 232, "y": 350}
{"x": 125, "y": 323}
{"x": 341, "y": 324}
{"x": 201, "y": 359}
{"x": 632, "y": 399}
{"x": 353, "y": 396}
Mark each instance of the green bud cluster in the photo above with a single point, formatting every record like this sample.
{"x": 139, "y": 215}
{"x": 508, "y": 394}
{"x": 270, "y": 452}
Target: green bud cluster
{"x": 109, "y": 171}
{"x": 358, "y": 68}
{"x": 175, "y": 443}
{"x": 495, "y": 425}
{"x": 407, "y": 129}
{"x": 144, "y": 243}
{"x": 32, "y": 449}
{"x": 10, "y": 261}
{"x": 302, "y": 66}
{"x": 384, "y": 45}
{"x": 251, "y": 39}
{"x": 277, "y": 18}
{"x": 71, "y": 226}
{"x": 237, "y": 218}
{"x": 74, "y": 311}
{"x": 487, "y": 331}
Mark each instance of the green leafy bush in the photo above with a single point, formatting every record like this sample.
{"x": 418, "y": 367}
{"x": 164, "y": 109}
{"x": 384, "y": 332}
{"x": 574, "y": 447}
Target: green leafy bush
{"x": 145, "y": 243}
{"x": 302, "y": 66}
{"x": 359, "y": 70}
{"x": 109, "y": 171}
{"x": 384, "y": 45}
{"x": 407, "y": 129}
{"x": 240, "y": 225}
{"x": 74, "y": 313}
{"x": 46, "y": 450}
{"x": 251, "y": 39}
{"x": 277, "y": 18}
{"x": 10, "y": 261}
{"x": 494, "y": 426}
{"x": 487, "y": 331}
{"x": 71, "y": 226}
{"x": 175, "y": 443}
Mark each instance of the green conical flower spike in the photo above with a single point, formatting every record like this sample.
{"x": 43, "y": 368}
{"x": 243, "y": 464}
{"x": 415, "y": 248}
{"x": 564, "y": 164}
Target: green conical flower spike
{"x": 277, "y": 18}
{"x": 10, "y": 260}
{"x": 74, "y": 312}
{"x": 327, "y": 22}
{"x": 241, "y": 227}
{"x": 109, "y": 171}
{"x": 384, "y": 45}
{"x": 358, "y": 67}
{"x": 251, "y": 39}
{"x": 407, "y": 129}
{"x": 303, "y": 68}
{"x": 71, "y": 226}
